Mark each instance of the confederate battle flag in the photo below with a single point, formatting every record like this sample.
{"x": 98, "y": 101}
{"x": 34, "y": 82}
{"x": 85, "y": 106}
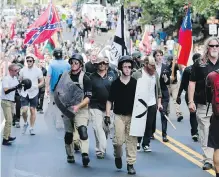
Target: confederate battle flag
{"x": 44, "y": 27}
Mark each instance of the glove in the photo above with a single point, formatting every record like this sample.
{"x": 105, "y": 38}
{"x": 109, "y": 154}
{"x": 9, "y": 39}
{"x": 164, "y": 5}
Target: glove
{"x": 107, "y": 120}
{"x": 178, "y": 100}
{"x": 19, "y": 86}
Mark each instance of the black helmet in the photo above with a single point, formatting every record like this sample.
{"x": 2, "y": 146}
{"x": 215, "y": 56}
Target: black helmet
{"x": 123, "y": 59}
{"x": 27, "y": 84}
{"x": 57, "y": 53}
{"x": 76, "y": 56}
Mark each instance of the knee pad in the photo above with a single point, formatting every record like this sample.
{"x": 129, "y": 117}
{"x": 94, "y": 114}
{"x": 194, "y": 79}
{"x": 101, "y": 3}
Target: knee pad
{"x": 68, "y": 138}
{"x": 82, "y": 131}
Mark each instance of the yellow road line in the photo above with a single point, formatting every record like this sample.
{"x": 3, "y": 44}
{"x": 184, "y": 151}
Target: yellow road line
{"x": 180, "y": 152}
{"x": 196, "y": 154}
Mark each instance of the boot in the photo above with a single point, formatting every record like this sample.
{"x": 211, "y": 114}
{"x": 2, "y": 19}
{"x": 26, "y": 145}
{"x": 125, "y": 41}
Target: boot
{"x": 70, "y": 159}
{"x": 118, "y": 162}
{"x": 11, "y": 138}
{"x": 131, "y": 169}
{"x": 6, "y": 142}
{"x": 85, "y": 159}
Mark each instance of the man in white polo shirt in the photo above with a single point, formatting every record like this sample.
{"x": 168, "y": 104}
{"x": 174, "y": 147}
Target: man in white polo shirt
{"x": 29, "y": 97}
{"x": 9, "y": 85}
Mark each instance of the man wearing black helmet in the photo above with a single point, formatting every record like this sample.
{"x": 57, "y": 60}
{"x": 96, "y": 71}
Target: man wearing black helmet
{"x": 121, "y": 97}
{"x": 80, "y": 121}
{"x": 56, "y": 67}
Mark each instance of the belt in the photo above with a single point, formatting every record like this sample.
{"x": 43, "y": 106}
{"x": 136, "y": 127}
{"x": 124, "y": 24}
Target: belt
{"x": 8, "y": 100}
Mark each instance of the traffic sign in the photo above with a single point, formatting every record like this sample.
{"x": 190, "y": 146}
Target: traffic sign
{"x": 212, "y": 29}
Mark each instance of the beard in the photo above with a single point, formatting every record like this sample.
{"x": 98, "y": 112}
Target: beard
{"x": 214, "y": 54}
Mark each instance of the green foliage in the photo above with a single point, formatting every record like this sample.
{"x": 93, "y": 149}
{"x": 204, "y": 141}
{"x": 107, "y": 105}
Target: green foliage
{"x": 156, "y": 11}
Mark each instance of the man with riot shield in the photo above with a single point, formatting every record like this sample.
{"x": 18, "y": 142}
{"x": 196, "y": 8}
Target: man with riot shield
{"x": 72, "y": 95}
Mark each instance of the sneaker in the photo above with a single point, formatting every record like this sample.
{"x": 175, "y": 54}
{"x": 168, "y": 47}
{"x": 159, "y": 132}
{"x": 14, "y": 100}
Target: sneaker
{"x": 76, "y": 147}
{"x": 138, "y": 147}
{"x": 147, "y": 149}
{"x": 70, "y": 159}
{"x": 131, "y": 169}
{"x": 17, "y": 125}
{"x": 180, "y": 118}
{"x": 207, "y": 166}
{"x": 118, "y": 162}
{"x": 195, "y": 138}
{"x": 11, "y": 139}
{"x": 32, "y": 131}
{"x": 100, "y": 155}
{"x": 152, "y": 137}
{"x": 25, "y": 128}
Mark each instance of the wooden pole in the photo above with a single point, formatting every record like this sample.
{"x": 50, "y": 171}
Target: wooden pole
{"x": 54, "y": 8}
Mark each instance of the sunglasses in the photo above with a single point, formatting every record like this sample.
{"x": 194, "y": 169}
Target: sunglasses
{"x": 102, "y": 63}
{"x": 212, "y": 46}
{"x": 29, "y": 61}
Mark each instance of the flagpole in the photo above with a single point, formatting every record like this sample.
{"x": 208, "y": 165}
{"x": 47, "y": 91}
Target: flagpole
{"x": 54, "y": 8}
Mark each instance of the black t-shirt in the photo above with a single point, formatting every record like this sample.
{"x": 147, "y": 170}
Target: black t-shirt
{"x": 86, "y": 84}
{"x": 123, "y": 96}
{"x": 100, "y": 89}
{"x": 200, "y": 70}
{"x": 90, "y": 68}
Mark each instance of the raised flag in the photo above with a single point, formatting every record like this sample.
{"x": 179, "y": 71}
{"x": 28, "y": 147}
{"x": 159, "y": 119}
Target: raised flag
{"x": 44, "y": 27}
{"x": 145, "y": 45}
{"x": 37, "y": 53}
{"x": 185, "y": 39}
{"x": 118, "y": 47}
{"x": 12, "y": 30}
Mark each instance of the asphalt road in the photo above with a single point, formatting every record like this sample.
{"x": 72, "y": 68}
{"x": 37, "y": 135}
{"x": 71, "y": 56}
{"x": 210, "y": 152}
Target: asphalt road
{"x": 43, "y": 155}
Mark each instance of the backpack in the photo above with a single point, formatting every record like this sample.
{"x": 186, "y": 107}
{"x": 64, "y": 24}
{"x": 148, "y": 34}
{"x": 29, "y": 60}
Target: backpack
{"x": 212, "y": 85}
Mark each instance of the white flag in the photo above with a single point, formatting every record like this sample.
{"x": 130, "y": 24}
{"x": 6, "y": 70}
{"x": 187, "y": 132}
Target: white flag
{"x": 118, "y": 47}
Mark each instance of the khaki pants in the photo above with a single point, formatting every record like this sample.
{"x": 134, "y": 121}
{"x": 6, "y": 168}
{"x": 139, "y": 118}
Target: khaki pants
{"x": 173, "y": 90}
{"x": 8, "y": 109}
{"x": 121, "y": 135}
{"x": 203, "y": 129}
{"x": 81, "y": 118}
{"x": 100, "y": 129}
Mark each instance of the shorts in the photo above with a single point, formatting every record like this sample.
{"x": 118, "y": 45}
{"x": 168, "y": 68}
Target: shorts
{"x": 213, "y": 137}
{"x": 26, "y": 101}
{"x": 70, "y": 26}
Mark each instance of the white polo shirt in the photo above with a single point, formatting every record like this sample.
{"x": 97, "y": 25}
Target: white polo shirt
{"x": 34, "y": 74}
{"x": 9, "y": 82}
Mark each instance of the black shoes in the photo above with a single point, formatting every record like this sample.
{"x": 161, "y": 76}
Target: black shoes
{"x": 165, "y": 139}
{"x": 118, "y": 163}
{"x": 207, "y": 166}
{"x": 85, "y": 159}
{"x": 70, "y": 159}
{"x": 195, "y": 138}
{"x": 180, "y": 118}
{"x": 130, "y": 169}
{"x": 152, "y": 137}
{"x": 8, "y": 142}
